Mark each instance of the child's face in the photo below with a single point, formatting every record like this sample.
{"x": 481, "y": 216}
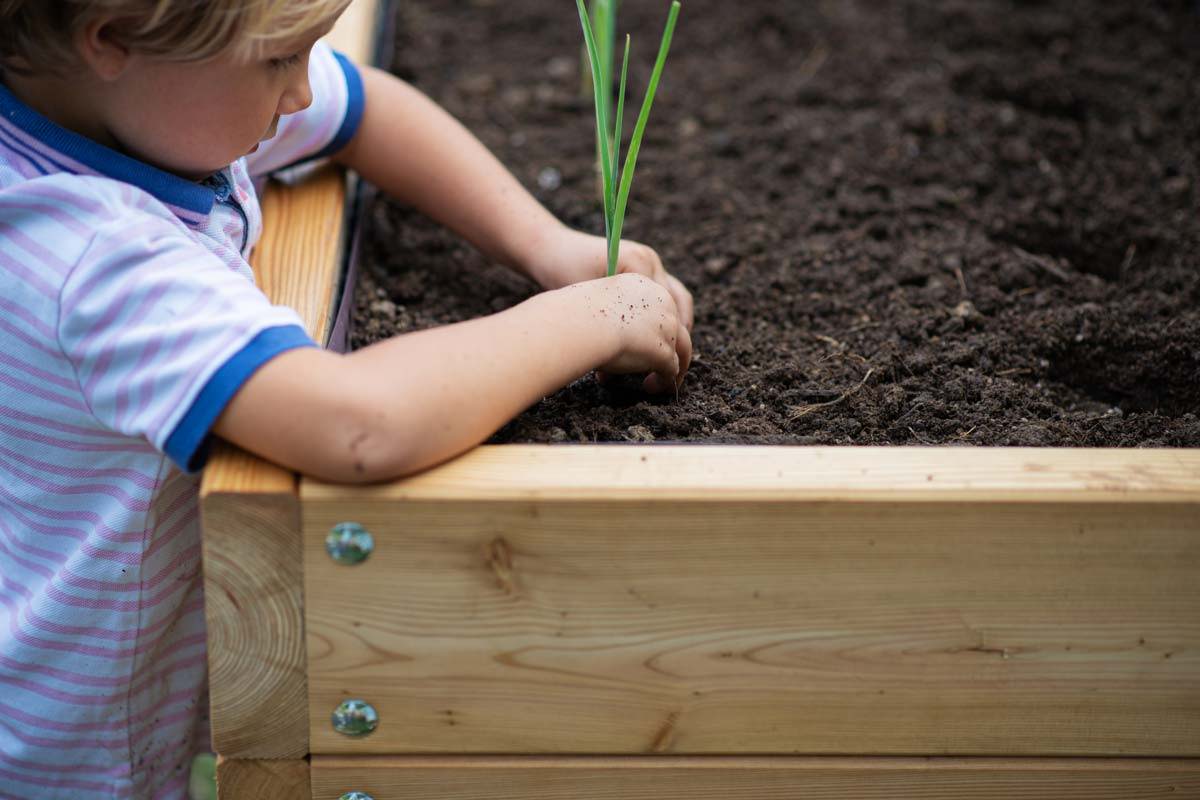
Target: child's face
{"x": 193, "y": 119}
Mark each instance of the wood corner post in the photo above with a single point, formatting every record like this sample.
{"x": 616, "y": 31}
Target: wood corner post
{"x": 253, "y": 585}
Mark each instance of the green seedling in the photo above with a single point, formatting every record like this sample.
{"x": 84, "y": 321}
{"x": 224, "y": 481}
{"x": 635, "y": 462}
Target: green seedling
{"x": 604, "y": 26}
{"x": 616, "y": 183}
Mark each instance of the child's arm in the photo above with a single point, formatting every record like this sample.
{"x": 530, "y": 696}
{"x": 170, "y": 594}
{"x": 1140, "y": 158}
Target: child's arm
{"x": 410, "y": 402}
{"x": 416, "y": 152}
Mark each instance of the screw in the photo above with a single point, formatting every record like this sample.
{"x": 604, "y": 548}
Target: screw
{"x": 355, "y": 718}
{"x": 349, "y": 543}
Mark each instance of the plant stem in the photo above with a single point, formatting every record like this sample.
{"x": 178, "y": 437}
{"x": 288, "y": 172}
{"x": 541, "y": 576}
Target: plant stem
{"x": 601, "y": 115}
{"x": 618, "y": 130}
{"x": 616, "y": 196}
{"x": 635, "y": 145}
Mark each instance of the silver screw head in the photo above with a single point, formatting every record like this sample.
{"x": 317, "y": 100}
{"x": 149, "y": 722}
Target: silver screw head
{"x": 356, "y": 796}
{"x": 349, "y": 543}
{"x": 355, "y": 718}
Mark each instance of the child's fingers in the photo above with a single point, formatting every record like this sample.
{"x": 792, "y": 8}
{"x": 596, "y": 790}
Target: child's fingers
{"x": 661, "y": 382}
{"x": 683, "y": 300}
{"x": 683, "y": 350}
{"x": 670, "y": 380}
{"x": 645, "y": 261}
{"x": 655, "y": 384}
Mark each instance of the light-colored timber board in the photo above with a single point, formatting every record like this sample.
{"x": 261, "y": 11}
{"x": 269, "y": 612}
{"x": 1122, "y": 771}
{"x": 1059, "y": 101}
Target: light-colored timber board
{"x": 743, "y": 778}
{"x": 263, "y": 780}
{"x": 298, "y": 260}
{"x": 252, "y": 585}
{"x": 355, "y": 31}
{"x": 723, "y": 473}
{"x": 249, "y": 507}
{"x": 650, "y": 624}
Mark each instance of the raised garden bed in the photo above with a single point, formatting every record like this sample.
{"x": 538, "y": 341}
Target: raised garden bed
{"x": 904, "y": 223}
{"x": 668, "y": 621}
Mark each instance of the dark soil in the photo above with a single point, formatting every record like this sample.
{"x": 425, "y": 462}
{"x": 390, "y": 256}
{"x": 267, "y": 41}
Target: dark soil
{"x": 903, "y": 221}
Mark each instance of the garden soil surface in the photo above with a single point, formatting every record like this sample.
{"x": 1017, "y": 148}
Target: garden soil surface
{"x": 936, "y": 222}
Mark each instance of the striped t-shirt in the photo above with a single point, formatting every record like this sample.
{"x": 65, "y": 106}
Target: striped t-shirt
{"x": 128, "y": 319}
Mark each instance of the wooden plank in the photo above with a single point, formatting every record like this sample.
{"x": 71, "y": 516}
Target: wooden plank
{"x": 250, "y": 510}
{"x": 355, "y": 31}
{"x": 778, "y": 778}
{"x": 263, "y": 780}
{"x": 924, "y": 621}
{"x": 299, "y": 258}
{"x": 252, "y": 583}
{"x": 704, "y": 473}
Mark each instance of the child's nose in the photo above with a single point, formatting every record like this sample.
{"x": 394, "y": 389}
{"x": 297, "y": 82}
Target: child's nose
{"x": 297, "y": 97}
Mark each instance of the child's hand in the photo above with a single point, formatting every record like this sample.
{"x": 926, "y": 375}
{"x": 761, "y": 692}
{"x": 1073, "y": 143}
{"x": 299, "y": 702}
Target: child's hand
{"x": 649, "y": 332}
{"x": 567, "y": 256}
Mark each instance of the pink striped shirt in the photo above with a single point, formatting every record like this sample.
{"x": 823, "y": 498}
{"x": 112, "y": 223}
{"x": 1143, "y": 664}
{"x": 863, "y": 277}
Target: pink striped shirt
{"x": 128, "y": 319}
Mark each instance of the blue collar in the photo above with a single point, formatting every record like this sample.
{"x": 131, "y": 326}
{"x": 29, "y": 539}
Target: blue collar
{"x": 95, "y": 158}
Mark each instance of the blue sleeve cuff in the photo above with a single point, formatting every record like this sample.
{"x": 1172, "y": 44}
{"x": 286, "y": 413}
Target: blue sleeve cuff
{"x": 188, "y": 445}
{"x": 355, "y": 103}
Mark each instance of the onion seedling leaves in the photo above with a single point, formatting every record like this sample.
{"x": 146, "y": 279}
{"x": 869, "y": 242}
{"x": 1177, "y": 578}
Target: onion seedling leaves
{"x": 617, "y": 184}
{"x": 598, "y": 75}
{"x": 618, "y": 130}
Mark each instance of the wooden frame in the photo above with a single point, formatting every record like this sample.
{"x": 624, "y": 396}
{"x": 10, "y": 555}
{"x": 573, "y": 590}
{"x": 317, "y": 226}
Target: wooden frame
{"x": 720, "y": 778}
{"x": 634, "y": 600}
{"x": 506, "y": 534}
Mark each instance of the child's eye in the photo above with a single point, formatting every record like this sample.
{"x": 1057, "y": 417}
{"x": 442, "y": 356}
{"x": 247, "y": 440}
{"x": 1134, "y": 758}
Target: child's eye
{"x": 285, "y": 62}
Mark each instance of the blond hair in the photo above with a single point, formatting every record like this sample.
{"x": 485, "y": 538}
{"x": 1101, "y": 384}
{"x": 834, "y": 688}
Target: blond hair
{"x": 37, "y": 36}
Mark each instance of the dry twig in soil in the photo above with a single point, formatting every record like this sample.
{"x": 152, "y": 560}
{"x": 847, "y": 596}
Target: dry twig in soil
{"x": 804, "y": 410}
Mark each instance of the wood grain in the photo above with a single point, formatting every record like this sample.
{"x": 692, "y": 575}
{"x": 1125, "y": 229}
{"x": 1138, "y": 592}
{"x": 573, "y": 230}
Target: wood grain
{"x": 924, "y": 621}
{"x": 299, "y": 258}
{"x": 707, "y": 473}
{"x": 778, "y": 778}
{"x": 263, "y": 780}
{"x": 253, "y": 598}
{"x": 250, "y": 510}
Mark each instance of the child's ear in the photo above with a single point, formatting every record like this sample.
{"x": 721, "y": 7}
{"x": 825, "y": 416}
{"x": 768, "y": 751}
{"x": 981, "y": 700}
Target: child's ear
{"x": 101, "y": 49}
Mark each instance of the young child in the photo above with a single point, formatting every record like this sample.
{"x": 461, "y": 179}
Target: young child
{"x": 131, "y": 332}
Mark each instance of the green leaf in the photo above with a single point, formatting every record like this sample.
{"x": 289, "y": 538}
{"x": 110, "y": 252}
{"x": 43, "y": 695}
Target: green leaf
{"x": 598, "y": 78}
{"x": 616, "y": 140}
{"x": 604, "y": 26}
{"x": 613, "y": 229}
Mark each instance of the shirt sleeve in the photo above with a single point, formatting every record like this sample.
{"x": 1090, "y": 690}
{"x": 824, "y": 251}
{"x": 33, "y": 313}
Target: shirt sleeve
{"x": 323, "y": 128}
{"x": 162, "y": 334}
